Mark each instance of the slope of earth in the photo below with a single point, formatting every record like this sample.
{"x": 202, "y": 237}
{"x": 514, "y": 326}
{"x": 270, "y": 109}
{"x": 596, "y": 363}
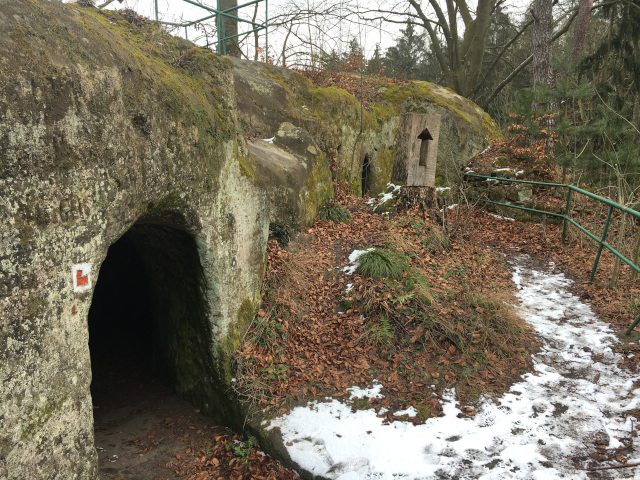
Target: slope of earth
{"x": 302, "y": 348}
{"x": 575, "y": 258}
{"x": 575, "y": 398}
{"x": 324, "y": 327}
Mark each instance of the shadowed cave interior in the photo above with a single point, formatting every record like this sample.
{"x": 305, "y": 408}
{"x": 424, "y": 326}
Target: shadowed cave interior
{"x": 148, "y": 328}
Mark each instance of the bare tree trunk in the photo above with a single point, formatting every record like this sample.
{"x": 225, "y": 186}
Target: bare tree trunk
{"x": 582, "y": 25}
{"x": 461, "y": 63}
{"x": 284, "y": 46}
{"x": 613, "y": 284}
{"x": 542, "y": 42}
{"x": 230, "y": 28}
{"x": 542, "y": 49}
{"x": 255, "y": 35}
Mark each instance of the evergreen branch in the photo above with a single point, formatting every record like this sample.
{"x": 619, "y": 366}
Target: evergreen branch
{"x": 614, "y": 112}
{"x": 529, "y": 59}
{"x": 504, "y": 50}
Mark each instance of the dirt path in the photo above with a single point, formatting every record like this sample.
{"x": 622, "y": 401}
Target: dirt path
{"x": 141, "y": 426}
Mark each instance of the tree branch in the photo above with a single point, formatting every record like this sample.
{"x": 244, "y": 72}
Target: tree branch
{"x": 528, "y": 60}
{"x": 499, "y": 56}
{"x": 435, "y": 41}
{"x": 108, "y": 2}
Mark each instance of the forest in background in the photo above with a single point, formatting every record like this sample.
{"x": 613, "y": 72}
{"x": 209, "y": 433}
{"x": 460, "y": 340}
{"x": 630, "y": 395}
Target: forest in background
{"x": 565, "y": 72}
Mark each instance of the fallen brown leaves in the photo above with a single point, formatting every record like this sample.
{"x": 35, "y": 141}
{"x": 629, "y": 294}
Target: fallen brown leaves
{"x": 362, "y": 87}
{"x": 543, "y": 241}
{"x": 310, "y": 336}
{"x": 216, "y": 454}
{"x": 230, "y": 457}
{"x": 321, "y": 346}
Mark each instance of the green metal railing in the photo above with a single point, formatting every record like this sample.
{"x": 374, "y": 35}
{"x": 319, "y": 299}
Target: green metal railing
{"x": 220, "y": 16}
{"x": 568, "y": 220}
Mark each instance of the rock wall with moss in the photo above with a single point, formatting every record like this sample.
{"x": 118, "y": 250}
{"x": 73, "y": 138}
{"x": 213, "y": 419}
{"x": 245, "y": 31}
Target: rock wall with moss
{"x": 343, "y": 130}
{"x": 110, "y": 130}
{"x": 105, "y": 126}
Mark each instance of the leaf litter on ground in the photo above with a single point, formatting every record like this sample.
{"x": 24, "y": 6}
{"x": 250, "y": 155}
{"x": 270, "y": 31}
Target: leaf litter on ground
{"x": 319, "y": 330}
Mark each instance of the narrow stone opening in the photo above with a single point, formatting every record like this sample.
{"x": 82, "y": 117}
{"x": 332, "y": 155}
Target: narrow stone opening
{"x": 366, "y": 171}
{"x": 425, "y": 137}
{"x": 149, "y": 334}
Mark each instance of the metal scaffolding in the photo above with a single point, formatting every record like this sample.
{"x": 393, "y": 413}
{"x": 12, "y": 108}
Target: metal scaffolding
{"x": 219, "y": 16}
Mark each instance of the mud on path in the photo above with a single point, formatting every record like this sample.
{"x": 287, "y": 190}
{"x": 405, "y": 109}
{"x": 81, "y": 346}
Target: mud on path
{"x": 143, "y": 431}
{"x": 141, "y": 426}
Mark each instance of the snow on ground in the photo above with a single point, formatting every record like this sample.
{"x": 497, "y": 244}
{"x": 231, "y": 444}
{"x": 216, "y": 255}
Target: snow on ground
{"x": 353, "y": 259}
{"x": 501, "y": 218}
{"x": 576, "y": 395}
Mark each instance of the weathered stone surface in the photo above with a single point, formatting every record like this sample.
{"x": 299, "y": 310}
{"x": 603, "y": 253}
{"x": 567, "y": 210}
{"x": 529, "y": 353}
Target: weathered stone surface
{"x": 269, "y": 96}
{"x": 465, "y": 129}
{"x": 100, "y": 129}
{"x": 109, "y": 131}
{"x": 291, "y": 168}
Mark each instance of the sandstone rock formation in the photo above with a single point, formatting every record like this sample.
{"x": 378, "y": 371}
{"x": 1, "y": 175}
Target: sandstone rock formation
{"x": 118, "y": 141}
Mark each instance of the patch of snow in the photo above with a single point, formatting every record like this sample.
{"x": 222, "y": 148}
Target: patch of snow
{"x": 353, "y": 258}
{"x": 501, "y": 218}
{"x": 269, "y": 140}
{"x": 348, "y": 288}
{"x": 305, "y": 107}
{"x": 519, "y": 172}
{"x": 391, "y": 190}
{"x": 442, "y": 189}
{"x": 492, "y": 179}
{"x": 385, "y": 196}
{"x": 528, "y": 433}
{"x": 449, "y": 207}
{"x": 411, "y": 412}
{"x": 372, "y": 392}
{"x": 503, "y": 170}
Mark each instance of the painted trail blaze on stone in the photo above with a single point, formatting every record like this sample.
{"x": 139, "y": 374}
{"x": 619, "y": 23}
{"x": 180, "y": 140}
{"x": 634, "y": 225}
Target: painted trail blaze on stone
{"x": 81, "y": 277}
{"x": 80, "y": 280}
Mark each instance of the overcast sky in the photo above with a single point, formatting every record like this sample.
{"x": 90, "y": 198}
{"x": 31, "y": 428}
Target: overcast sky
{"x": 329, "y": 31}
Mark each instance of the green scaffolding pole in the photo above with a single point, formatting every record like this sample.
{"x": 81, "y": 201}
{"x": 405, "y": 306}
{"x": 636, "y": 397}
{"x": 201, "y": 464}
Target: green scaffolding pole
{"x": 220, "y": 15}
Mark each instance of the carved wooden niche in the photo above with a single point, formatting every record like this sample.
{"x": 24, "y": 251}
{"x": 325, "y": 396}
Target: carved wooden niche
{"x": 416, "y": 150}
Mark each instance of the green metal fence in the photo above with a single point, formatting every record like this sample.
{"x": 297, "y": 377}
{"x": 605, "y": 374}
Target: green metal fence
{"x": 568, "y": 220}
{"x": 219, "y": 16}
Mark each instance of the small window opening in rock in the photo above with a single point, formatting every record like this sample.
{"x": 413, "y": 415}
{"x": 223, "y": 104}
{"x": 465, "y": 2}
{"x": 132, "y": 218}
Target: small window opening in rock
{"x": 365, "y": 180}
{"x": 425, "y": 138}
{"x": 148, "y": 337}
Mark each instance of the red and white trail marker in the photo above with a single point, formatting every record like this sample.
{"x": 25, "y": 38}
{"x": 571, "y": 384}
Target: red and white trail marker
{"x": 81, "y": 275}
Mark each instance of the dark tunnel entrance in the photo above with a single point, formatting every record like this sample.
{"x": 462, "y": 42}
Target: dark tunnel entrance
{"x": 149, "y": 334}
{"x": 121, "y": 324}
